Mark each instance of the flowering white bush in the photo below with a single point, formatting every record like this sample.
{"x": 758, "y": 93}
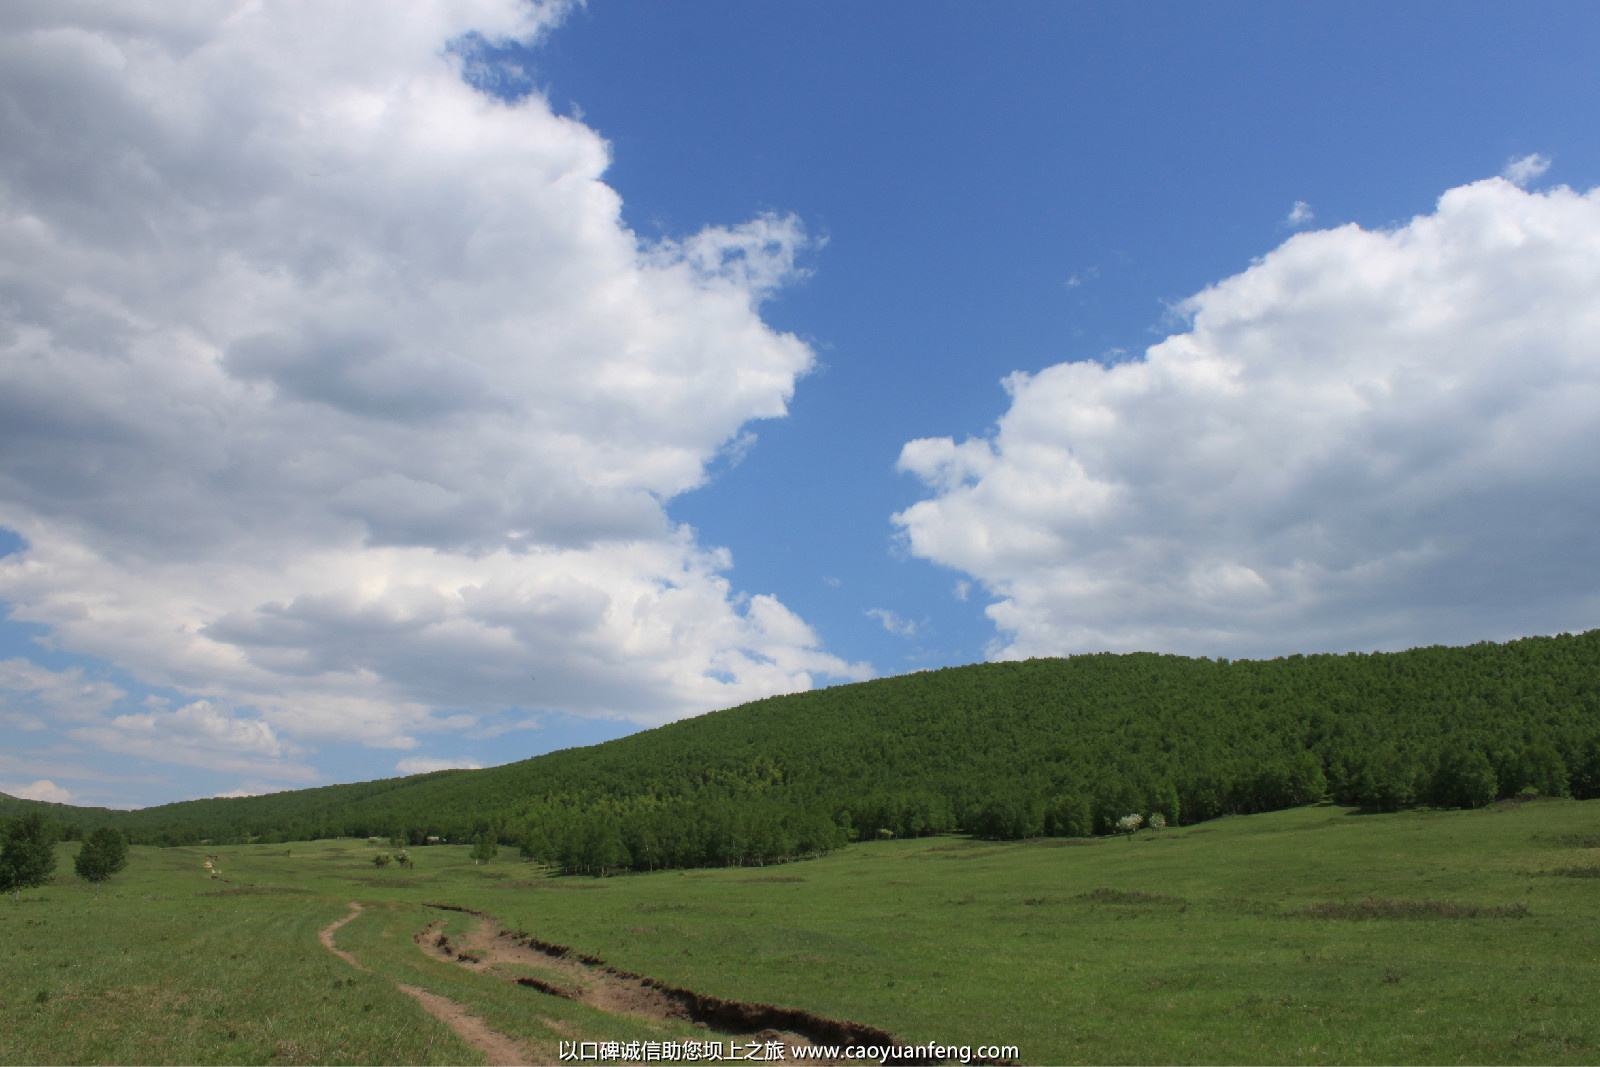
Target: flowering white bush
{"x": 1158, "y": 821}
{"x": 1129, "y": 823}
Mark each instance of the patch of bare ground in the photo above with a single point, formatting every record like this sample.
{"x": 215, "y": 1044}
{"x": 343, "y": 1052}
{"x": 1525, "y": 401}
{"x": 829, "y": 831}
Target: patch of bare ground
{"x": 497, "y": 1048}
{"x": 325, "y": 935}
{"x": 590, "y": 980}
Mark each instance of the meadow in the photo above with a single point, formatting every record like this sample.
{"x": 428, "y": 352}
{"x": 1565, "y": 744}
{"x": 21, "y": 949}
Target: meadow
{"x": 1311, "y": 935}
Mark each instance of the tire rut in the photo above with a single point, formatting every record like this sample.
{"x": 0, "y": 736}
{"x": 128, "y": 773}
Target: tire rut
{"x": 499, "y": 1049}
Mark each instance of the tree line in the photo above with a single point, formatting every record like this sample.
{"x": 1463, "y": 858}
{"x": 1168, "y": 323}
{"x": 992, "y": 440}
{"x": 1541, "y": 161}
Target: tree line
{"x": 1065, "y": 747}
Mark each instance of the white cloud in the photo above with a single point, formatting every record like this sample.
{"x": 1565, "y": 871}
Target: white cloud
{"x": 333, "y": 388}
{"x": 43, "y": 789}
{"x": 64, "y": 694}
{"x": 1520, "y": 172}
{"x": 425, "y": 765}
{"x": 893, "y": 623}
{"x": 961, "y": 590}
{"x": 1299, "y": 214}
{"x": 199, "y": 734}
{"x": 1367, "y": 439}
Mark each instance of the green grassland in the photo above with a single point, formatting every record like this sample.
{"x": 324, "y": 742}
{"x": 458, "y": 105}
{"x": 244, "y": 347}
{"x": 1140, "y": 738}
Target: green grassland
{"x": 1312, "y": 935}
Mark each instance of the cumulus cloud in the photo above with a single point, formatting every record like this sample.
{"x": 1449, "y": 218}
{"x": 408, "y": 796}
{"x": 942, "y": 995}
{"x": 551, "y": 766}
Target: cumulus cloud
{"x": 336, "y": 394}
{"x": 198, "y": 734}
{"x": 43, "y": 789}
{"x": 1367, "y": 439}
{"x": 1299, "y": 214}
{"x": 1520, "y": 172}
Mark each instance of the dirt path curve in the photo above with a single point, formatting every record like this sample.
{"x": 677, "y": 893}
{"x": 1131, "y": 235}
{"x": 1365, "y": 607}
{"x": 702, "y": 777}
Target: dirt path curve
{"x": 500, "y": 1050}
{"x": 325, "y": 935}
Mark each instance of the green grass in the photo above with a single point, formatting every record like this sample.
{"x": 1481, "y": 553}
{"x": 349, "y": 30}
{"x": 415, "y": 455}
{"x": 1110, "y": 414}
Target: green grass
{"x": 1305, "y": 936}
{"x": 172, "y": 967}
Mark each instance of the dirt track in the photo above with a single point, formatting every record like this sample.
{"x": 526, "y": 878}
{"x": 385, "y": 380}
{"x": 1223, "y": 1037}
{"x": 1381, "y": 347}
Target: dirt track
{"x": 591, "y": 981}
{"x": 509, "y": 954}
{"x": 500, "y": 1050}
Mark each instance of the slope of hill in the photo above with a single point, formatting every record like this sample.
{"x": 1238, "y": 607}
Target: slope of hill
{"x": 1004, "y": 750}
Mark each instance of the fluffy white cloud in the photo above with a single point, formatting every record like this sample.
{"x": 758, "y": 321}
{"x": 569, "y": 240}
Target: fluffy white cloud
{"x": 1521, "y": 171}
{"x": 335, "y": 389}
{"x": 198, "y": 734}
{"x": 1367, "y": 439}
{"x": 1300, "y": 214}
{"x": 425, "y": 765}
{"x": 43, "y": 789}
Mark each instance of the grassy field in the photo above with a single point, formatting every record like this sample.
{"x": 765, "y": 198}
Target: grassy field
{"x": 1306, "y": 936}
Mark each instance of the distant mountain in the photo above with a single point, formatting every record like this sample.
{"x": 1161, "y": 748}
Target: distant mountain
{"x": 1048, "y": 746}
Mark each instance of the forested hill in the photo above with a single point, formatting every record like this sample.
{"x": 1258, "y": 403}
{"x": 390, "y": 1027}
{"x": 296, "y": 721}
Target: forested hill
{"x": 1049, "y": 746}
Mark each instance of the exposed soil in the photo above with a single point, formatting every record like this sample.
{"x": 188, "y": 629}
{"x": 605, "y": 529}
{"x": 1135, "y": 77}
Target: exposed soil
{"x": 500, "y": 1050}
{"x": 325, "y": 935}
{"x": 592, "y": 981}
{"x": 497, "y": 1048}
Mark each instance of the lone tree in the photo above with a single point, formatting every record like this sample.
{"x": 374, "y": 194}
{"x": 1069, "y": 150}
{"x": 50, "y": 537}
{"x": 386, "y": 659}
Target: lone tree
{"x": 484, "y": 848}
{"x": 28, "y": 856}
{"x": 103, "y": 854}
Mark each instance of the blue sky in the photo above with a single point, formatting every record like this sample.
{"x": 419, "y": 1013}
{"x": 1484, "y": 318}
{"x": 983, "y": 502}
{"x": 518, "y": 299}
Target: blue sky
{"x": 365, "y": 425}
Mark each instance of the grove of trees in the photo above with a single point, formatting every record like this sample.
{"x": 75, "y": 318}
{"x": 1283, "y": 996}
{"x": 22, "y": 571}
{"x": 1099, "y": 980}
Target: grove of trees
{"x": 1062, "y": 747}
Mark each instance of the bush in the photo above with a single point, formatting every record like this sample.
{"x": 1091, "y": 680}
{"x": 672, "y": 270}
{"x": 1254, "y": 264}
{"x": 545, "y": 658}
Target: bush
{"x": 28, "y": 855}
{"x": 102, "y": 855}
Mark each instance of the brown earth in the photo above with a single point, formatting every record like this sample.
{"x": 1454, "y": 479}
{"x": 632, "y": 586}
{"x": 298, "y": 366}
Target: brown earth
{"x": 497, "y": 1048}
{"x": 591, "y": 981}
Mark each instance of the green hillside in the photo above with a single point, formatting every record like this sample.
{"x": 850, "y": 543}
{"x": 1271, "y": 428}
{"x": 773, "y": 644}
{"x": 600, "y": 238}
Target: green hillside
{"x": 1058, "y": 747}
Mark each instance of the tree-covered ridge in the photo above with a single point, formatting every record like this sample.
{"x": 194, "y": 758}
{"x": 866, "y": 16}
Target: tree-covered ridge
{"x": 1048, "y": 746}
